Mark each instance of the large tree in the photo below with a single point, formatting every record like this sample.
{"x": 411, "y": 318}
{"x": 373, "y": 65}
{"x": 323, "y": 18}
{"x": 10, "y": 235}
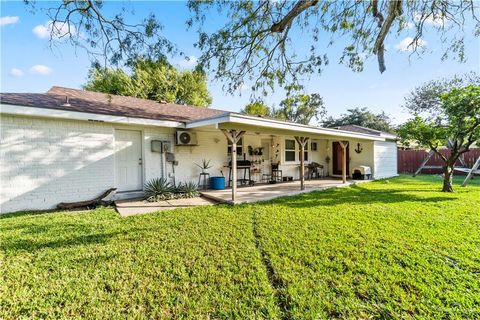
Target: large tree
{"x": 155, "y": 80}
{"x": 361, "y": 117}
{"x": 300, "y": 108}
{"x": 257, "y": 108}
{"x": 456, "y": 125}
{"x": 258, "y": 40}
{"x": 426, "y": 98}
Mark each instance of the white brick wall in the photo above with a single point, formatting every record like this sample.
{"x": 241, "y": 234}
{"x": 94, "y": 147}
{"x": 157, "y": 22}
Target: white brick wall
{"x": 154, "y": 162}
{"x": 44, "y": 162}
{"x": 47, "y": 161}
{"x": 385, "y": 154}
{"x": 364, "y": 158}
{"x": 212, "y": 145}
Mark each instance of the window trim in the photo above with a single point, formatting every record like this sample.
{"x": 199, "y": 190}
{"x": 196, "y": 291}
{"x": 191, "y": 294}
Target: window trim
{"x": 294, "y": 150}
{"x": 239, "y": 147}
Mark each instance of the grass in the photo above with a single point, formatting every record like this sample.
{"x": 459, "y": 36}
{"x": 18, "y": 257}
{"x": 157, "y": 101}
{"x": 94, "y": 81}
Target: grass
{"x": 388, "y": 249}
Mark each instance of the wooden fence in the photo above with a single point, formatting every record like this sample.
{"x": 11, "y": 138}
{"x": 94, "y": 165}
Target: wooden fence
{"x": 410, "y": 160}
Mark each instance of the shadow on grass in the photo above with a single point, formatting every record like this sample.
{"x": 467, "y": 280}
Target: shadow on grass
{"x": 32, "y": 245}
{"x": 41, "y": 213}
{"x": 357, "y": 194}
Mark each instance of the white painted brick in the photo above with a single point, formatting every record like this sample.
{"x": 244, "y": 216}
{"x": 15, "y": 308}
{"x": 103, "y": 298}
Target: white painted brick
{"x": 385, "y": 155}
{"x": 45, "y": 162}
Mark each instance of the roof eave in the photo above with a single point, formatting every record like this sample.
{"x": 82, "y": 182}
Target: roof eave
{"x": 85, "y": 116}
{"x": 277, "y": 124}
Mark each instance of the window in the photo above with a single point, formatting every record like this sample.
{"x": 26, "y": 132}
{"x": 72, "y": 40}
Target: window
{"x": 239, "y": 148}
{"x": 305, "y": 153}
{"x": 314, "y": 146}
{"x": 289, "y": 150}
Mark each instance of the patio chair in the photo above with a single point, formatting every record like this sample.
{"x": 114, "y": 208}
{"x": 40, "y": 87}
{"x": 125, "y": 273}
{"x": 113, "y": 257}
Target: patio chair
{"x": 277, "y": 174}
{"x": 315, "y": 170}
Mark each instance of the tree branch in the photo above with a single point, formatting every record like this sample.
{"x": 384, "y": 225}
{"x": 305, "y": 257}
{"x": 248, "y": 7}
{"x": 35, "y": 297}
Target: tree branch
{"x": 301, "y": 6}
{"x": 394, "y": 10}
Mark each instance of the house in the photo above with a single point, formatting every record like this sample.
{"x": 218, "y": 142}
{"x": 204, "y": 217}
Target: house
{"x": 69, "y": 145}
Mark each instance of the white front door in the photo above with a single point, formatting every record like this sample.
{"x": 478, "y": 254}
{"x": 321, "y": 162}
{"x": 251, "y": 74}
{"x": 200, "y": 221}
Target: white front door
{"x": 128, "y": 160}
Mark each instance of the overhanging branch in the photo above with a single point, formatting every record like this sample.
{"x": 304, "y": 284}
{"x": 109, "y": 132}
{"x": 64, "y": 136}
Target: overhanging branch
{"x": 301, "y": 6}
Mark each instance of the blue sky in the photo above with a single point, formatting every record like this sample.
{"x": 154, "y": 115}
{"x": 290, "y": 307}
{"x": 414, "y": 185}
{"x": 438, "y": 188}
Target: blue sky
{"x": 28, "y": 64}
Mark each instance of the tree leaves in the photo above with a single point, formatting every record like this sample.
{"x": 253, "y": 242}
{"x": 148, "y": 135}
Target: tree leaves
{"x": 155, "y": 80}
{"x": 426, "y": 99}
{"x": 459, "y": 110}
{"x": 259, "y": 41}
{"x": 257, "y": 108}
{"x": 361, "y": 117}
{"x": 301, "y": 108}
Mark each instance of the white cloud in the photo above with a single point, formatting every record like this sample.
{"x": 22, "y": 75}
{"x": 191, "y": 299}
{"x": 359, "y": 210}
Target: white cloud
{"x": 409, "y": 45}
{"x": 56, "y": 30}
{"x": 41, "y": 70}
{"x": 17, "y": 73}
{"x": 188, "y": 62}
{"x": 436, "y": 20}
{"x": 4, "y": 21}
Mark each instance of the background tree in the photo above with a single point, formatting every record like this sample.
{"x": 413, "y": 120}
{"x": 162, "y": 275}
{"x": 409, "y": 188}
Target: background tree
{"x": 300, "y": 108}
{"x": 426, "y": 99}
{"x": 361, "y": 117}
{"x": 257, "y": 108}
{"x": 114, "y": 81}
{"x": 457, "y": 124}
{"x": 259, "y": 41}
{"x": 155, "y": 80}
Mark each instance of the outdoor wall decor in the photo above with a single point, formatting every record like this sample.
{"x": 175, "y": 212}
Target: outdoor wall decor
{"x": 359, "y": 148}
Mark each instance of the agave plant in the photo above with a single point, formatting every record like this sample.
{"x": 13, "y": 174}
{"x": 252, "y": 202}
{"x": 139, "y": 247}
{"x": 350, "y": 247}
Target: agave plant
{"x": 158, "y": 189}
{"x": 189, "y": 190}
{"x": 205, "y": 165}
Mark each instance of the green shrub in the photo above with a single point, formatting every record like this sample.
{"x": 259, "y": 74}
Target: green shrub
{"x": 159, "y": 189}
{"x": 189, "y": 190}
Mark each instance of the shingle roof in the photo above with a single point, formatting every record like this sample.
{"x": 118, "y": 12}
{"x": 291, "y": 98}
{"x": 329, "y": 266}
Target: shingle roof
{"x": 360, "y": 129}
{"x": 108, "y": 104}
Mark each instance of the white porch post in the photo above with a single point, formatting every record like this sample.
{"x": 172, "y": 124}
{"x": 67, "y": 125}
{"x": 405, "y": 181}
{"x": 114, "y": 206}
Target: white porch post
{"x": 344, "y": 145}
{"x": 233, "y": 137}
{"x": 302, "y": 141}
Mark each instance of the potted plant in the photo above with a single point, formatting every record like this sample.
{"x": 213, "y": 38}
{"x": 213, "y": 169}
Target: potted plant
{"x": 205, "y": 165}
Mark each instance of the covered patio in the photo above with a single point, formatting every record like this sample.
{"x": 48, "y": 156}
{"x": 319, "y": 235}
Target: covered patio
{"x": 264, "y": 192}
{"x": 259, "y": 147}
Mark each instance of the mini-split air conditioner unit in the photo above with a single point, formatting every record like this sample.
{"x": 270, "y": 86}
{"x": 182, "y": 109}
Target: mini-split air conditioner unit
{"x": 186, "y": 138}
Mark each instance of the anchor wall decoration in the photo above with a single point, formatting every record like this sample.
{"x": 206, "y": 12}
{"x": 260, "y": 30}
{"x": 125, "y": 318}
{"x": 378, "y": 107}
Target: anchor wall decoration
{"x": 359, "y": 148}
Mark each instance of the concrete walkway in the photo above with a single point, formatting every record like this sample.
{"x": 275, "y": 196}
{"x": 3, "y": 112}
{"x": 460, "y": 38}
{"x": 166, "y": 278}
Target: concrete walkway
{"x": 133, "y": 207}
{"x": 265, "y": 192}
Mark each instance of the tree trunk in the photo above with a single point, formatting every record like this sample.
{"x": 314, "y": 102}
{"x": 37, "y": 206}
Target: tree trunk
{"x": 447, "y": 178}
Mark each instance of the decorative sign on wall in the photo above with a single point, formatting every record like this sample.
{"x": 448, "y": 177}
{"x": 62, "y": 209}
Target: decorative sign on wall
{"x": 359, "y": 148}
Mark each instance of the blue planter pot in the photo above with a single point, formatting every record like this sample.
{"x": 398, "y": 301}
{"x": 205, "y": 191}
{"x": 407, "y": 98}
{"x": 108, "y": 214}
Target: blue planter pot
{"x": 217, "y": 183}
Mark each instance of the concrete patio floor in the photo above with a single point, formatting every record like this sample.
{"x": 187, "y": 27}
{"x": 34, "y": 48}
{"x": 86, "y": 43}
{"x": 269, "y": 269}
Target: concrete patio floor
{"x": 263, "y": 192}
{"x": 137, "y": 206}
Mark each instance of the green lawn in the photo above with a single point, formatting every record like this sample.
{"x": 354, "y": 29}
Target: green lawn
{"x": 387, "y": 249}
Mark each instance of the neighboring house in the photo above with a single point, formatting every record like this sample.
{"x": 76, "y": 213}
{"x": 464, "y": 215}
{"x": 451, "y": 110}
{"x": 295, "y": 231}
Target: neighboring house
{"x": 69, "y": 145}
